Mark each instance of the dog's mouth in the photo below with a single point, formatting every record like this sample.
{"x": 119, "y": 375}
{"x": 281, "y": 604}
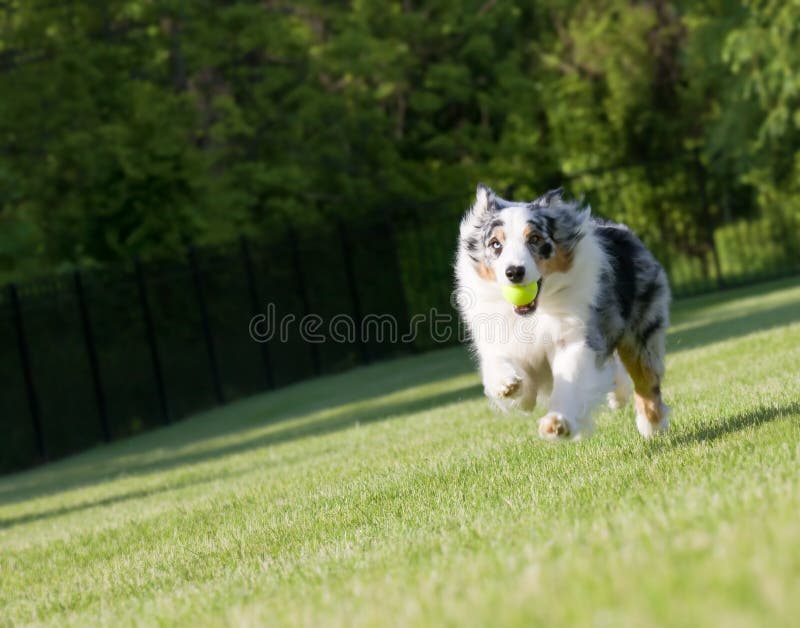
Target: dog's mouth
{"x": 530, "y": 308}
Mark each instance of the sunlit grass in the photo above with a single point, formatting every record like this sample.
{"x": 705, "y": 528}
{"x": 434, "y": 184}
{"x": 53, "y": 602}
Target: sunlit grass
{"x": 391, "y": 494}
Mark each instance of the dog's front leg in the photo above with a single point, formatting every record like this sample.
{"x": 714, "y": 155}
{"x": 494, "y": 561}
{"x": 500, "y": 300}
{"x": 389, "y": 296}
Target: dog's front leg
{"x": 506, "y": 385}
{"x": 579, "y": 384}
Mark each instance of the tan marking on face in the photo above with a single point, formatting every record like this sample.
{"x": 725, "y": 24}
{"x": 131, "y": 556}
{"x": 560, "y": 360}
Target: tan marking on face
{"x": 527, "y": 232}
{"x": 499, "y": 233}
{"x": 559, "y": 262}
{"x": 646, "y": 385}
{"x": 530, "y": 231}
{"x": 486, "y": 272}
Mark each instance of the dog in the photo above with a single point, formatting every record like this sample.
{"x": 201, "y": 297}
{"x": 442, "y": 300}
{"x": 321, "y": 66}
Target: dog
{"x": 597, "y": 324}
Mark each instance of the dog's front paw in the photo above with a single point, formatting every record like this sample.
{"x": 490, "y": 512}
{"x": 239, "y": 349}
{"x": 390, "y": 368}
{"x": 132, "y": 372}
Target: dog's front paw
{"x": 554, "y": 426}
{"x": 504, "y": 387}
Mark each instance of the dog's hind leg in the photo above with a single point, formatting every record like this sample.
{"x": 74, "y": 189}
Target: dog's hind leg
{"x": 645, "y": 364}
{"x": 623, "y": 387}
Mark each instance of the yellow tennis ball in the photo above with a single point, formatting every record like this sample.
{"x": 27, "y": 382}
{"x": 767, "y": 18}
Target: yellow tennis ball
{"x": 520, "y": 295}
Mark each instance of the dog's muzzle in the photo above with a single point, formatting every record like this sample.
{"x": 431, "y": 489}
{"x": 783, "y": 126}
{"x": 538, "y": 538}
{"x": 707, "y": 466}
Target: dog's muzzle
{"x": 530, "y": 308}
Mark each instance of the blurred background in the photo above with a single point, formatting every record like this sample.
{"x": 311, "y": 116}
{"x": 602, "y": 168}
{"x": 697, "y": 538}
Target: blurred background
{"x": 168, "y": 168}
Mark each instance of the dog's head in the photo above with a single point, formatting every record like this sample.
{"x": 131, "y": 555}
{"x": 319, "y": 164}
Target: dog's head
{"x": 519, "y": 243}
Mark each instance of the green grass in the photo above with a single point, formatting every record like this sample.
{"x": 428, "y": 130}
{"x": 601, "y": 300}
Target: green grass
{"x": 392, "y": 495}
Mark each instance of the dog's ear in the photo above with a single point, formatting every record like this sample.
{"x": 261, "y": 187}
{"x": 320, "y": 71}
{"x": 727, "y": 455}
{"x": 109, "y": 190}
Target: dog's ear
{"x": 567, "y": 220}
{"x": 485, "y": 205}
{"x": 548, "y": 197}
{"x": 485, "y": 200}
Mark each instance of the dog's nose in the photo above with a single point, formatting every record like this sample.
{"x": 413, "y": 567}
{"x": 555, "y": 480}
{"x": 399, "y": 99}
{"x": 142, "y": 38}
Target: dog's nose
{"x": 515, "y": 273}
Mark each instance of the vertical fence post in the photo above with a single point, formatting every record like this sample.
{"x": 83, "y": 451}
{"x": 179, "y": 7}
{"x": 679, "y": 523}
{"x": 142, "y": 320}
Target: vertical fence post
{"x": 255, "y": 301}
{"x": 206, "y": 324}
{"x": 352, "y": 287}
{"x": 700, "y": 171}
{"x": 426, "y": 269}
{"x": 302, "y": 293}
{"x": 91, "y": 352}
{"x": 425, "y": 264}
{"x": 793, "y": 261}
{"x": 27, "y": 372}
{"x": 393, "y": 243}
{"x": 152, "y": 341}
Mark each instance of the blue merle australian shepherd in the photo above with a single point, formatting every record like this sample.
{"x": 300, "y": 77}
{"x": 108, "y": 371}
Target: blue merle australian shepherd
{"x": 603, "y": 302}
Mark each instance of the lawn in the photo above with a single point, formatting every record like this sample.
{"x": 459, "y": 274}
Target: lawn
{"x": 393, "y": 495}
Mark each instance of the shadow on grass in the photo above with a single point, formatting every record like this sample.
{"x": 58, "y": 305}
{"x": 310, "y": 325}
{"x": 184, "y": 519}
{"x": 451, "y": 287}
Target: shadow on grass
{"x": 318, "y": 427}
{"x": 10, "y": 522}
{"x": 708, "y": 432}
{"x": 725, "y": 328}
{"x": 285, "y": 405}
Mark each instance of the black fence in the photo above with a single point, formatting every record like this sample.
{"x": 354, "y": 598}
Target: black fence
{"x": 102, "y": 354}
{"x": 99, "y": 355}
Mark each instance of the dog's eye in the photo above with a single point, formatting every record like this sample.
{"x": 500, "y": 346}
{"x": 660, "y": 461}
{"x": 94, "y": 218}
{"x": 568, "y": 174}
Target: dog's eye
{"x": 535, "y": 238}
{"x": 495, "y": 245}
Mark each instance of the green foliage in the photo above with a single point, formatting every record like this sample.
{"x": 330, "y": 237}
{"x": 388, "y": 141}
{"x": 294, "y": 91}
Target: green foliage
{"x": 776, "y": 244}
{"x": 130, "y": 127}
